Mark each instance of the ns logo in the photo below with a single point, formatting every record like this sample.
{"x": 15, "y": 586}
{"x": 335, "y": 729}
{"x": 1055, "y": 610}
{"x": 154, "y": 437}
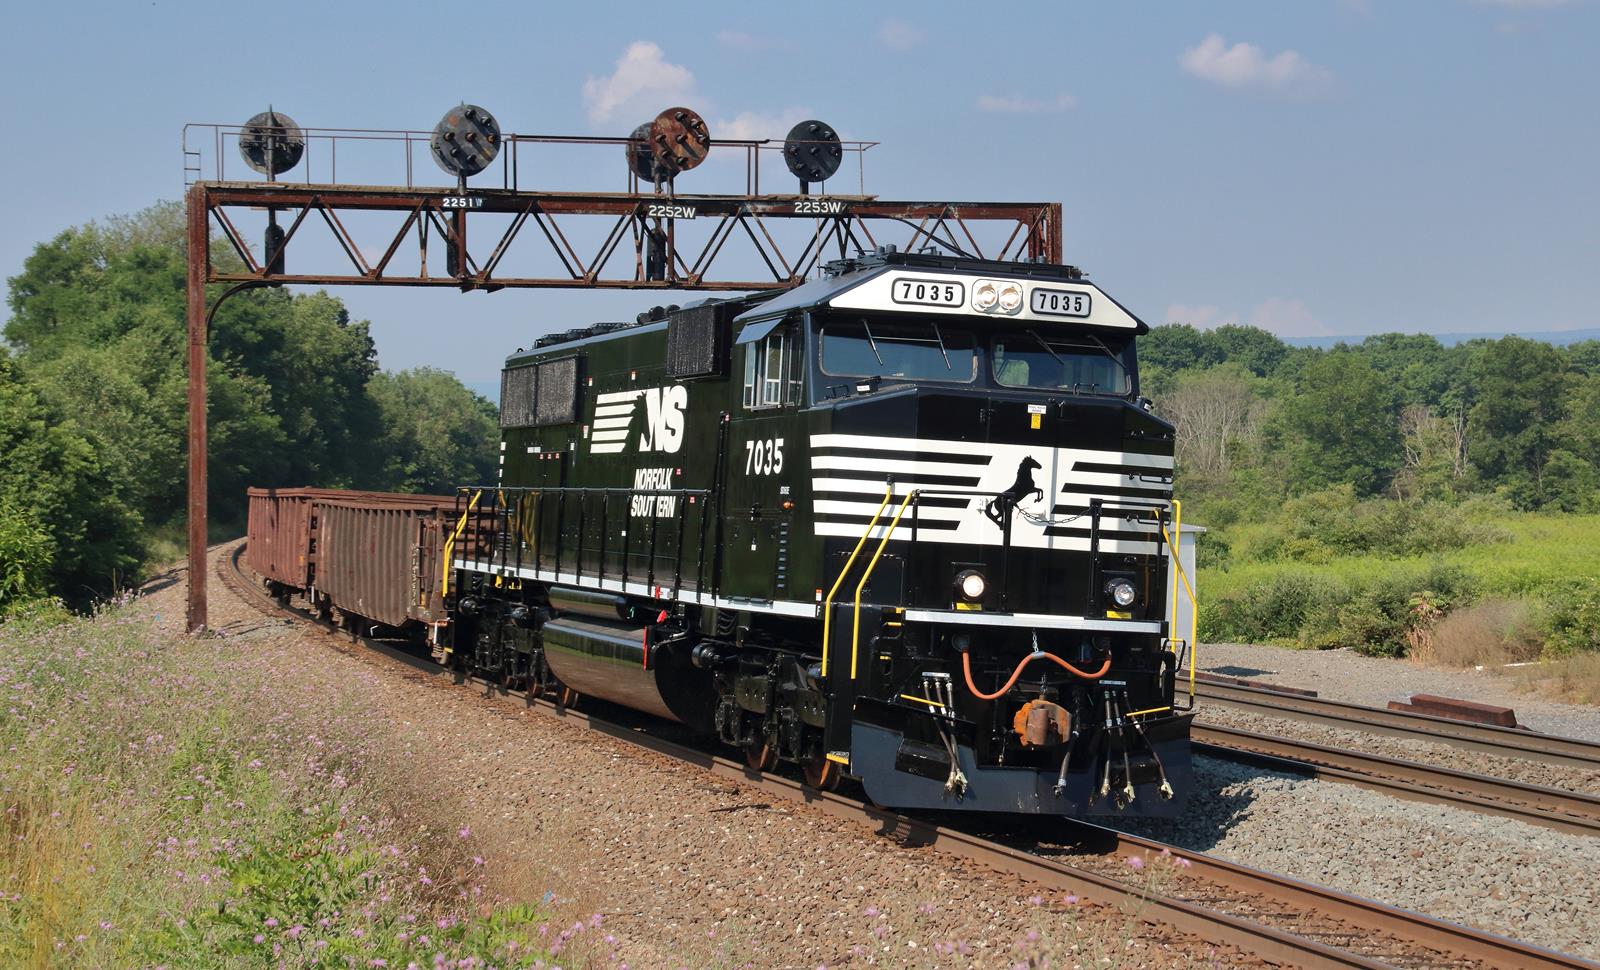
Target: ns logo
{"x": 663, "y": 420}
{"x": 659, "y": 427}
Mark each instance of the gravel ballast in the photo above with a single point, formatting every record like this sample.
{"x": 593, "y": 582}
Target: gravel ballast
{"x": 1496, "y": 874}
{"x": 689, "y": 870}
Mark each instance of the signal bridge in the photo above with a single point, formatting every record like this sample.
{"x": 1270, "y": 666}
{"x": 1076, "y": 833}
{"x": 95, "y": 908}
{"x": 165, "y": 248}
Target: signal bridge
{"x": 282, "y": 225}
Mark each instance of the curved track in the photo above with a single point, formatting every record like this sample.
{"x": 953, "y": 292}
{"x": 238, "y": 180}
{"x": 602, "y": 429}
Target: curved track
{"x": 1279, "y": 919}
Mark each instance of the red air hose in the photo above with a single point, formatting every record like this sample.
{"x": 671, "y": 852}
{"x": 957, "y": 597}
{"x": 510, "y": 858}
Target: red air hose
{"x": 966, "y": 669}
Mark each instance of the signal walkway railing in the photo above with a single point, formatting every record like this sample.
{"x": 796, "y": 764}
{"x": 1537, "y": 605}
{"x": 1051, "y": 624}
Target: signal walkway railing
{"x": 589, "y": 533}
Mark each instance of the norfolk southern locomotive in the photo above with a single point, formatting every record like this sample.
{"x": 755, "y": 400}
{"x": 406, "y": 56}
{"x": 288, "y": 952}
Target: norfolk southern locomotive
{"x": 907, "y": 523}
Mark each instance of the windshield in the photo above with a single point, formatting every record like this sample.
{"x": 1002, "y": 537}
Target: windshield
{"x": 918, "y": 350}
{"x": 1082, "y": 364}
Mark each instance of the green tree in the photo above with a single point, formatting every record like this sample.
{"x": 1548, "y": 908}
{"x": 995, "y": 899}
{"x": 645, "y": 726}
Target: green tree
{"x": 98, "y": 317}
{"x": 1585, "y": 357}
{"x": 1415, "y": 365}
{"x": 53, "y": 475}
{"x": 1521, "y": 394}
{"x": 1169, "y": 350}
{"x": 437, "y": 434}
{"x": 25, "y": 554}
{"x": 1338, "y": 427}
{"x": 1251, "y": 348}
{"x": 1580, "y": 428}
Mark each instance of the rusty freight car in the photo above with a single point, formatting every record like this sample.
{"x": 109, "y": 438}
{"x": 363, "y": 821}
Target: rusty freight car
{"x": 378, "y": 555}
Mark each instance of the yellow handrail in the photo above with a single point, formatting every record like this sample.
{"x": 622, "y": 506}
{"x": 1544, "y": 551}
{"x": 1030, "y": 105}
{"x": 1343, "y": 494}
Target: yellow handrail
{"x": 1177, "y": 526}
{"x": 827, "y": 603}
{"x": 866, "y": 574}
{"x": 450, "y": 543}
{"x": 1194, "y": 609}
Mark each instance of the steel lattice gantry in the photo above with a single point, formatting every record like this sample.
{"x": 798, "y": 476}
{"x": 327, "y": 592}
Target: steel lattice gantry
{"x": 505, "y": 238}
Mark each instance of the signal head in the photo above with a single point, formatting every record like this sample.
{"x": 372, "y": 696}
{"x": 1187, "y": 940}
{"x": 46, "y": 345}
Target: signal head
{"x": 465, "y": 140}
{"x": 679, "y": 140}
{"x": 640, "y": 160}
{"x": 272, "y": 143}
{"x": 812, "y": 151}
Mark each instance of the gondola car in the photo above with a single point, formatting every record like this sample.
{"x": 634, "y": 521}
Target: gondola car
{"x": 909, "y": 522}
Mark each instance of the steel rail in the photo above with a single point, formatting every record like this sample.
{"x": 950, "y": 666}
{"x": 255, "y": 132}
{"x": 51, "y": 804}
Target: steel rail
{"x": 1554, "y": 808}
{"x": 1427, "y": 941}
{"x": 1484, "y": 738}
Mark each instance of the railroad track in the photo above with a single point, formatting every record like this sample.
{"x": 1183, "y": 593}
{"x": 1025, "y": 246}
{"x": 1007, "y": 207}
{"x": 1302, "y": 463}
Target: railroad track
{"x": 1484, "y": 738}
{"x": 1276, "y": 918}
{"x": 1554, "y": 808}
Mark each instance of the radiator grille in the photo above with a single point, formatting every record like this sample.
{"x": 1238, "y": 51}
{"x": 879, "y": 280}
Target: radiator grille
{"x": 517, "y": 394}
{"x": 696, "y": 342}
{"x": 557, "y": 392}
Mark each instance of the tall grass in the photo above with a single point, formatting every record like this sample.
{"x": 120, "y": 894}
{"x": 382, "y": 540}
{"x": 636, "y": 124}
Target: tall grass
{"x": 1301, "y": 590}
{"x": 158, "y": 812}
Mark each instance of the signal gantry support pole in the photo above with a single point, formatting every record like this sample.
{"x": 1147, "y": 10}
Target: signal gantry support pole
{"x": 199, "y": 261}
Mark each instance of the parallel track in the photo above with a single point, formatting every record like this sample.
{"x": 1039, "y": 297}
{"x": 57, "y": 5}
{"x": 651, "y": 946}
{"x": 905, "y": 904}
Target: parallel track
{"x": 1329, "y": 929}
{"x": 1485, "y": 738}
{"x": 1553, "y": 808}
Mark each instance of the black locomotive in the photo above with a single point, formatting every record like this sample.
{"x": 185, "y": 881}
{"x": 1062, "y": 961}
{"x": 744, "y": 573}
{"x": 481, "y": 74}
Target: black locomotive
{"x": 908, "y": 522}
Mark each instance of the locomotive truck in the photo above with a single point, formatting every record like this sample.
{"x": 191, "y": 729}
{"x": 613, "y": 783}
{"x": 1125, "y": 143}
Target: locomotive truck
{"x": 909, "y": 523}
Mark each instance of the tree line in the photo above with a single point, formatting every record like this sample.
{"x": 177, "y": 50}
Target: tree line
{"x": 93, "y": 408}
{"x": 1396, "y": 415}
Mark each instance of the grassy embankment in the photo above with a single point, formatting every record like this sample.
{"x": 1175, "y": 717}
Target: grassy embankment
{"x": 159, "y": 810}
{"x": 1458, "y": 585}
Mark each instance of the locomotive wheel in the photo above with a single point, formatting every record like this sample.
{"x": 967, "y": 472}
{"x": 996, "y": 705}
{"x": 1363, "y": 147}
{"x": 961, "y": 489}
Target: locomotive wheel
{"x": 822, "y": 774}
{"x": 761, "y": 755}
{"x": 567, "y": 698}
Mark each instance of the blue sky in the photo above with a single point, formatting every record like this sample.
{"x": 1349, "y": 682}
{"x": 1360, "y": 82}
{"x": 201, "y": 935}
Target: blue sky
{"x": 1313, "y": 168}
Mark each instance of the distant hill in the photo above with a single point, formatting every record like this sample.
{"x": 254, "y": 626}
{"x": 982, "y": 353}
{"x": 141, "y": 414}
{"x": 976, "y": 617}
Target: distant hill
{"x": 1560, "y": 338}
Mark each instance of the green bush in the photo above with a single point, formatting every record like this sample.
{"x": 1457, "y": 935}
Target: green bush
{"x": 1371, "y": 614}
{"x": 25, "y": 555}
{"x": 1572, "y": 617}
{"x": 1272, "y": 610}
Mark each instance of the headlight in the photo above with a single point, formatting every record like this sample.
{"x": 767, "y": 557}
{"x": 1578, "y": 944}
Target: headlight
{"x": 997, "y": 296}
{"x": 972, "y": 584}
{"x": 1122, "y": 592}
{"x": 1010, "y": 297}
{"x": 985, "y": 295}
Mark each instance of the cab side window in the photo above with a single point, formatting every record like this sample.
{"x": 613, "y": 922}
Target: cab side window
{"x": 769, "y": 368}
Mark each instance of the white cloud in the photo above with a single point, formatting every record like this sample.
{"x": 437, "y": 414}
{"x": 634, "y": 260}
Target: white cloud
{"x": 1019, "y": 104}
{"x": 643, "y": 84}
{"x": 1201, "y": 317}
{"x": 898, "y": 35}
{"x": 1246, "y": 65}
{"x": 1286, "y": 318}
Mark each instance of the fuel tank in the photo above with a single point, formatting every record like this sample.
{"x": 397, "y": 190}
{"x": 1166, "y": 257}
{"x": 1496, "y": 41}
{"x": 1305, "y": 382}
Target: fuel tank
{"x": 620, "y": 663}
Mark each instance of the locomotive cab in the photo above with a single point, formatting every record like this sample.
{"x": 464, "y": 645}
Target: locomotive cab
{"x": 909, "y": 522}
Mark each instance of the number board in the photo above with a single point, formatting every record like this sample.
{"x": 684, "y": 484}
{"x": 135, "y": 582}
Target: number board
{"x": 928, "y": 292}
{"x": 1060, "y": 303}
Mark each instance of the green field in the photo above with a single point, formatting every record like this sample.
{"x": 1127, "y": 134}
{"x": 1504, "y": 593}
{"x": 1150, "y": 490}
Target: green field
{"x": 1544, "y": 567}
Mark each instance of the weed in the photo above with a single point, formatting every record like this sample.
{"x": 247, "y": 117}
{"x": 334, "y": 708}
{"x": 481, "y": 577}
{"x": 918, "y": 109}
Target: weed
{"x": 156, "y": 811}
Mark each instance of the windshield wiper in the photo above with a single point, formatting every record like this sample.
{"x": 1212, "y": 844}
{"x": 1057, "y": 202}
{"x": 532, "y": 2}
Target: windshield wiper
{"x": 871, "y": 341}
{"x": 1109, "y": 353}
{"x": 940, "y": 337}
{"x": 1047, "y": 348}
